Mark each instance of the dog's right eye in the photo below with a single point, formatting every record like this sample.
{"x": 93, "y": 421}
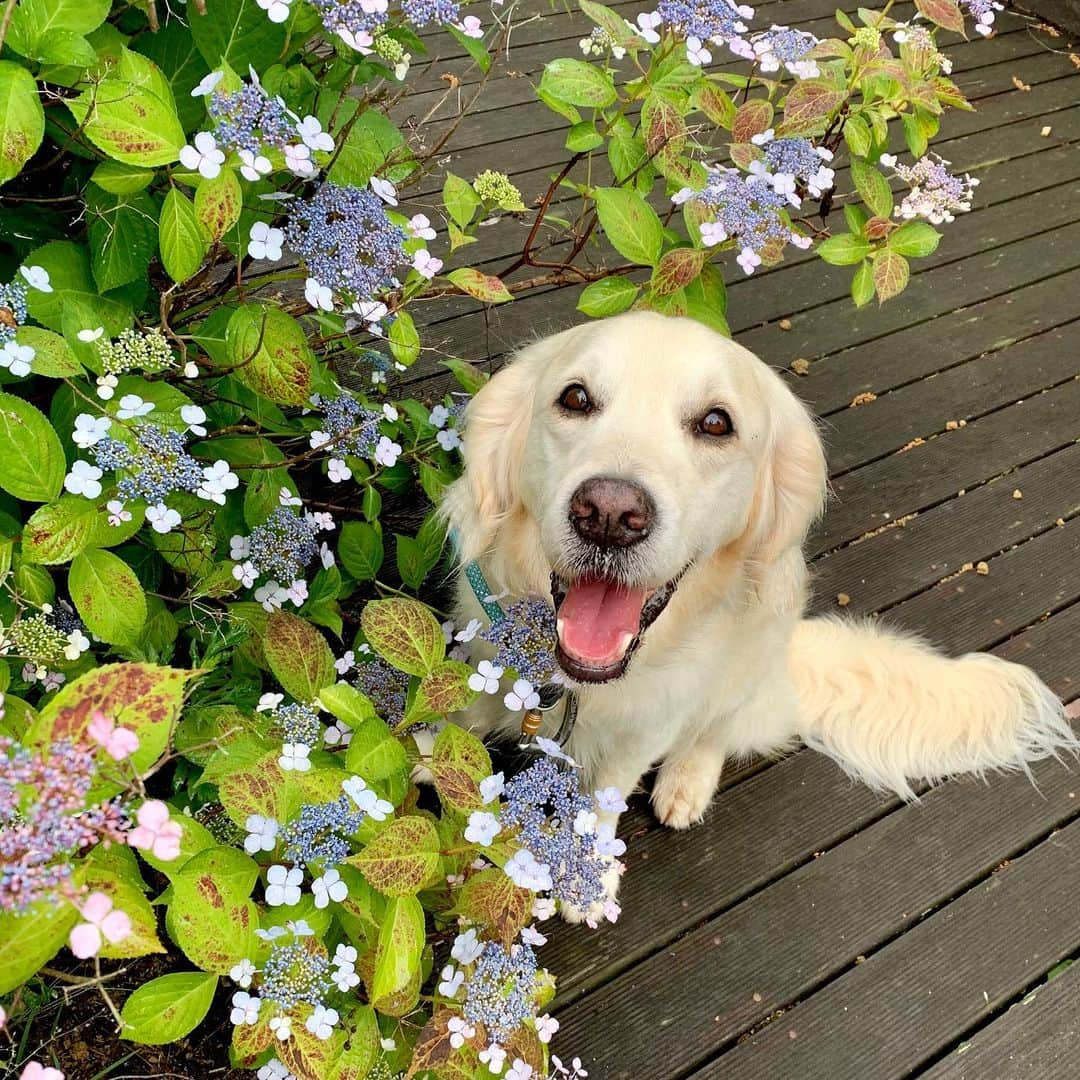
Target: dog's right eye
{"x": 575, "y": 398}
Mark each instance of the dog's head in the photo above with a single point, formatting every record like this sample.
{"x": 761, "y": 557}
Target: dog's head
{"x": 619, "y": 456}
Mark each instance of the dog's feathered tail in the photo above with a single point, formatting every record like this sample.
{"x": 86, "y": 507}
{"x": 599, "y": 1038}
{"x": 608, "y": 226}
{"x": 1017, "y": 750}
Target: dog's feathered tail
{"x": 893, "y": 711}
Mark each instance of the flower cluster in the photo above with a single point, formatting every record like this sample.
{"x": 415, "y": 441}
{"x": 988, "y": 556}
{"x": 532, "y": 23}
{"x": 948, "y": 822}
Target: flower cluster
{"x": 498, "y": 189}
{"x": 936, "y": 194}
{"x": 350, "y": 428}
{"x": 346, "y": 241}
{"x": 44, "y": 820}
{"x": 784, "y": 47}
{"x": 156, "y": 466}
{"x": 792, "y": 163}
{"x": 500, "y": 990}
{"x": 600, "y": 43}
{"x": 48, "y": 638}
{"x": 387, "y": 688}
{"x": 281, "y": 549}
{"x": 718, "y": 21}
{"x": 319, "y": 832}
{"x": 746, "y": 210}
{"x": 525, "y": 639}
{"x": 361, "y": 24}
{"x": 250, "y": 119}
{"x": 919, "y": 44}
{"x": 12, "y": 310}
{"x": 135, "y": 351}
{"x": 297, "y": 723}
{"x": 424, "y": 12}
{"x": 983, "y": 12}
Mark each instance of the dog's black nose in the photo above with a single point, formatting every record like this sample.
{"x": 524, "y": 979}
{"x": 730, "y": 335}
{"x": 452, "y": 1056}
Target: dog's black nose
{"x": 611, "y": 513}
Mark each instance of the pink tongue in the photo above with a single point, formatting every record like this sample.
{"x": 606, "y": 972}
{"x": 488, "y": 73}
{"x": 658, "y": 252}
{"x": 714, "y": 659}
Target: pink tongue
{"x": 597, "y": 621}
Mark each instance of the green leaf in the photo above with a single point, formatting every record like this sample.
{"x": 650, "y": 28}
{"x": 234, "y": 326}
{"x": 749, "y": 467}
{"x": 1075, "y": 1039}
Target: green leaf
{"x": 210, "y": 914}
{"x": 298, "y": 655}
{"x": 891, "y": 273}
{"x": 22, "y": 119}
{"x": 173, "y": 49}
{"x": 123, "y": 236}
{"x": 377, "y": 756}
{"x": 402, "y": 859}
{"x": 108, "y": 596}
{"x": 271, "y": 353}
{"x": 33, "y": 459}
{"x": 31, "y": 939}
{"x": 130, "y": 114}
{"x": 370, "y": 143}
{"x": 404, "y": 633}
{"x": 115, "y": 872}
{"x": 460, "y": 200}
{"x": 485, "y": 287}
{"x": 58, "y": 531}
{"x": 843, "y": 250}
{"x": 395, "y": 983}
{"x": 916, "y": 239}
{"x": 53, "y": 357}
{"x": 706, "y": 300}
{"x": 237, "y": 33}
{"x": 577, "y": 83}
{"x": 360, "y": 549}
{"x": 608, "y": 296}
{"x": 630, "y": 224}
{"x": 469, "y": 377}
{"x": 872, "y": 187}
{"x": 857, "y": 136}
{"x": 404, "y": 340}
{"x": 168, "y": 1008}
{"x": 611, "y": 21}
{"x": 862, "y": 284}
{"x": 475, "y": 47}
{"x": 856, "y": 218}
{"x": 714, "y": 103}
{"x": 583, "y": 137}
{"x": 218, "y": 203}
{"x": 34, "y": 19}
{"x": 184, "y": 241}
{"x": 348, "y": 704}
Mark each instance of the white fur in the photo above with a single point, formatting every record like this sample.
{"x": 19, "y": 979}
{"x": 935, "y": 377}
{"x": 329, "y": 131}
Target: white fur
{"x": 730, "y": 667}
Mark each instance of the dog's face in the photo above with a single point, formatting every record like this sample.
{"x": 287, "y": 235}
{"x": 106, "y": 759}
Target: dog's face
{"x": 631, "y": 451}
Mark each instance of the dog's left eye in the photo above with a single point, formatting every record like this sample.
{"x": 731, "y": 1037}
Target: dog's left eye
{"x": 716, "y": 423}
{"x": 575, "y": 398}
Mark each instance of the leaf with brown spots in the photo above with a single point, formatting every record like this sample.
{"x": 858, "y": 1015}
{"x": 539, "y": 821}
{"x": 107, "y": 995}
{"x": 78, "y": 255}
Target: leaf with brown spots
{"x": 143, "y": 697}
{"x": 361, "y": 1047}
{"x": 249, "y": 1043}
{"x": 945, "y": 13}
{"x": 751, "y": 118}
{"x": 432, "y": 1049}
{"x": 492, "y": 900}
{"x": 663, "y": 126}
{"x": 459, "y": 762}
{"x": 677, "y": 269}
{"x": 271, "y": 354}
{"x": 405, "y": 634}
{"x": 394, "y": 987}
{"x": 218, "y": 203}
{"x": 444, "y": 691}
{"x": 808, "y": 106}
{"x": 298, "y": 655}
{"x": 525, "y": 1044}
{"x": 108, "y": 596}
{"x": 211, "y": 916}
{"x": 263, "y": 787}
{"x": 402, "y": 859}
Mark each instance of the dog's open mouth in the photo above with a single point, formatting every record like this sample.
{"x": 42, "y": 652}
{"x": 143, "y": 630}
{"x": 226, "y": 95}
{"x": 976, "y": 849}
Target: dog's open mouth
{"x": 600, "y": 623}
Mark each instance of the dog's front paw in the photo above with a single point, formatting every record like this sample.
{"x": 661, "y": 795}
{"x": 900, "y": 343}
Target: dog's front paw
{"x": 601, "y": 910}
{"x": 682, "y": 794}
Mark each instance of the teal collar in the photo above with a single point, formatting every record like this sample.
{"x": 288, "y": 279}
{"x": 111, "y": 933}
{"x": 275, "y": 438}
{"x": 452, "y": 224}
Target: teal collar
{"x": 475, "y": 577}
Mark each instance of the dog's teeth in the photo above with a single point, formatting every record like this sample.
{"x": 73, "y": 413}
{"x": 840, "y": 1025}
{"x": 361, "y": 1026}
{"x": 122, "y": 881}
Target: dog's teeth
{"x": 559, "y": 628}
{"x": 624, "y": 642}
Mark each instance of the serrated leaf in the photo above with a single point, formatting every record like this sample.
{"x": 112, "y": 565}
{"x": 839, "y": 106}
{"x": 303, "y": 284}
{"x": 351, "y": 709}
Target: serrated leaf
{"x": 857, "y": 136}
{"x": 404, "y": 633}
{"x": 751, "y": 118}
{"x": 403, "y": 339}
{"x": 485, "y": 287}
{"x": 298, "y": 655}
{"x": 182, "y": 240}
{"x": 609, "y": 296}
{"x": 714, "y": 103}
{"x": 843, "y": 250}
{"x": 944, "y": 13}
{"x": 53, "y": 357}
{"x": 444, "y": 690}
{"x": 237, "y": 33}
{"x": 809, "y": 104}
{"x": 862, "y": 284}
{"x": 395, "y": 982}
{"x": 33, "y": 459}
{"x": 872, "y": 187}
{"x": 402, "y": 859}
{"x": 360, "y": 549}
{"x": 107, "y": 596}
{"x": 123, "y": 236}
{"x": 916, "y": 239}
{"x": 218, "y": 203}
{"x": 22, "y": 118}
{"x": 891, "y": 273}
{"x": 271, "y": 353}
{"x": 577, "y": 83}
{"x": 460, "y": 200}
{"x": 630, "y": 224}
{"x": 677, "y": 269}
{"x": 492, "y": 900}
{"x": 168, "y": 1008}
{"x": 459, "y": 761}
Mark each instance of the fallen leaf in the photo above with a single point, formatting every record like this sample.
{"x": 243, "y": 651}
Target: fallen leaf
{"x": 982, "y": 568}
{"x": 785, "y": 324}
{"x": 862, "y": 399}
{"x": 1075, "y": 59}
{"x": 918, "y": 441}
{"x": 842, "y": 599}
{"x": 1018, "y": 494}
{"x": 1045, "y": 131}
{"x": 1020, "y": 84}
{"x": 800, "y": 366}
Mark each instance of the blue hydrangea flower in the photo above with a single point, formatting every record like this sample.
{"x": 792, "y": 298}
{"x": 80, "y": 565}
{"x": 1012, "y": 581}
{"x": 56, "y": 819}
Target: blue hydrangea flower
{"x": 250, "y": 119}
{"x": 12, "y": 310}
{"x": 387, "y": 688}
{"x": 319, "y": 832}
{"x": 298, "y": 723}
{"x": 353, "y": 429}
{"x": 422, "y": 12}
{"x": 355, "y": 21}
{"x": 719, "y": 21}
{"x": 346, "y": 241}
{"x": 284, "y": 545}
{"x": 295, "y": 975}
{"x": 782, "y": 46}
{"x": 157, "y": 465}
{"x": 525, "y": 639}
{"x": 500, "y": 990}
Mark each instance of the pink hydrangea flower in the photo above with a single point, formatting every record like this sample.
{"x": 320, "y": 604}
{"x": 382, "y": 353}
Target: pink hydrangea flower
{"x": 155, "y": 832}
{"x": 102, "y": 921}
{"x": 36, "y": 1071}
{"x": 119, "y": 742}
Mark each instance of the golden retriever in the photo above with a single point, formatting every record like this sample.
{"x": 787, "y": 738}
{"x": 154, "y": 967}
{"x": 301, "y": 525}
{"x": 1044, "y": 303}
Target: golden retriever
{"x": 660, "y": 480}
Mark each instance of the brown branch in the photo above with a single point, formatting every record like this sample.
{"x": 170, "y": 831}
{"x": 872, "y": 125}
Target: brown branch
{"x": 9, "y": 12}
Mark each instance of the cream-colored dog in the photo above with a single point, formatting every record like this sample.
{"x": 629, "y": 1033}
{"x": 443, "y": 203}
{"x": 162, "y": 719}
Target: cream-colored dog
{"x": 660, "y": 480}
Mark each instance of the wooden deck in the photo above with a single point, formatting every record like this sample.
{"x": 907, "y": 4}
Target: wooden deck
{"x": 810, "y": 928}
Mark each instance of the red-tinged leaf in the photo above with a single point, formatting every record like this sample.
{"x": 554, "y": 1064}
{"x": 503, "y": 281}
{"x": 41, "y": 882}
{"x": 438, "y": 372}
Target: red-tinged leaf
{"x": 891, "y": 274}
{"x": 432, "y": 1049}
{"x": 878, "y": 227}
{"x": 715, "y": 104}
{"x": 809, "y": 104}
{"x": 751, "y": 118}
{"x": 249, "y": 1043}
{"x": 485, "y": 287}
{"x": 402, "y": 859}
{"x": 446, "y": 689}
{"x": 744, "y": 154}
{"x": 298, "y": 655}
{"x": 404, "y": 633}
{"x": 492, "y": 900}
{"x": 945, "y": 13}
{"x": 677, "y": 269}
{"x": 663, "y": 126}
{"x": 525, "y": 1044}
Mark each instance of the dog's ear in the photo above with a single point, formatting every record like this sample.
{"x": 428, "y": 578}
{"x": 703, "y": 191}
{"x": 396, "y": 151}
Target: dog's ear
{"x": 496, "y": 428}
{"x": 790, "y": 497}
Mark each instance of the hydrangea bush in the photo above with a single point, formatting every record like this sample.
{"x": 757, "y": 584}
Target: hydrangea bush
{"x": 217, "y": 689}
